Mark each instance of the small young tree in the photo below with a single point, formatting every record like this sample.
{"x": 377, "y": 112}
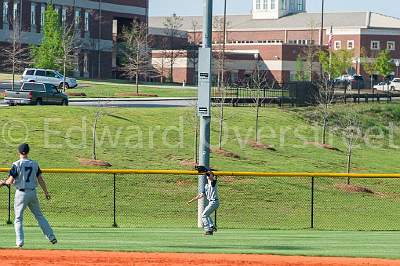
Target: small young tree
{"x": 259, "y": 84}
{"x": 135, "y": 51}
{"x": 69, "y": 44}
{"x": 384, "y": 64}
{"x": 172, "y": 26}
{"x": 50, "y": 50}
{"x": 368, "y": 64}
{"x": 300, "y": 71}
{"x": 15, "y": 55}
{"x": 333, "y": 65}
{"x": 350, "y": 129}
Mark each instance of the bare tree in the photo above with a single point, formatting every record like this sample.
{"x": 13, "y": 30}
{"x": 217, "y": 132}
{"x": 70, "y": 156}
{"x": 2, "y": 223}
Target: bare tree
{"x": 135, "y": 51}
{"x": 172, "y": 26}
{"x": 193, "y": 55}
{"x": 70, "y": 43}
{"x": 219, "y": 55}
{"x": 160, "y": 63}
{"x": 333, "y": 65}
{"x": 259, "y": 83}
{"x": 350, "y": 129}
{"x": 15, "y": 55}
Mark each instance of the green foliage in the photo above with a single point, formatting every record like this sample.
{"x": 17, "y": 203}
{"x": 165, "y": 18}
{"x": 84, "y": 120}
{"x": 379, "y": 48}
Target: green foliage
{"x": 49, "y": 52}
{"x": 301, "y": 74}
{"x": 383, "y": 63}
{"x": 335, "y": 63}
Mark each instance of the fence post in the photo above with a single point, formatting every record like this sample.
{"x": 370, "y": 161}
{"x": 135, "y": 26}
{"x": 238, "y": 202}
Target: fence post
{"x": 9, "y": 206}
{"x": 312, "y": 201}
{"x": 114, "y": 202}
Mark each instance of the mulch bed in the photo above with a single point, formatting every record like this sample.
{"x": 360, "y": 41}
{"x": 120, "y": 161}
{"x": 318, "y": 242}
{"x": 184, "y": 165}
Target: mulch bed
{"x": 90, "y": 162}
{"x": 134, "y": 94}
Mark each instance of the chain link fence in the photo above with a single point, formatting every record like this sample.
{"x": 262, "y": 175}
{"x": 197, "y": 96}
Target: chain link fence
{"x": 159, "y": 201}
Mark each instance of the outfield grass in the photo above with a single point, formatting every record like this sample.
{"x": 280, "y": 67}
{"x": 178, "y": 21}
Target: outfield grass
{"x": 304, "y": 242}
{"x": 154, "y": 201}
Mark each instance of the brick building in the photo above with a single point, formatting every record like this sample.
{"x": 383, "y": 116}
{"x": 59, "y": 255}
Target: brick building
{"x": 278, "y": 31}
{"x": 98, "y": 21}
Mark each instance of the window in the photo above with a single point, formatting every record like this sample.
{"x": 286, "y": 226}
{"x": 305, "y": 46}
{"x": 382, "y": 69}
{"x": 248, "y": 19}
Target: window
{"x": 5, "y": 12}
{"x": 42, "y": 14}
{"x": 283, "y": 4}
{"x": 265, "y": 4}
{"x": 391, "y": 45}
{"x": 350, "y": 45}
{"x": 273, "y": 4}
{"x": 15, "y": 11}
{"x": 338, "y": 45}
{"x": 86, "y": 21}
{"x": 77, "y": 17}
{"x": 300, "y": 5}
{"x": 33, "y": 14}
{"x": 258, "y": 4}
{"x": 30, "y": 72}
{"x": 40, "y": 73}
{"x": 291, "y": 5}
{"x": 375, "y": 45}
{"x": 64, "y": 15}
{"x": 51, "y": 74}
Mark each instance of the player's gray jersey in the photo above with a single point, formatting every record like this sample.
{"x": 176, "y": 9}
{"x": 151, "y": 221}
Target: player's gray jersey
{"x": 25, "y": 173}
{"x": 211, "y": 190}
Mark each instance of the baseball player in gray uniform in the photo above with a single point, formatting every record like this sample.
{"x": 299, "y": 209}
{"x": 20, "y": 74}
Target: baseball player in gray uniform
{"x": 210, "y": 191}
{"x": 25, "y": 174}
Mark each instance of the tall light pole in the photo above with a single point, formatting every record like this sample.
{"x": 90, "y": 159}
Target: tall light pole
{"x": 204, "y": 101}
{"x": 223, "y": 49}
{"x": 397, "y": 63}
{"x": 321, "y": 42}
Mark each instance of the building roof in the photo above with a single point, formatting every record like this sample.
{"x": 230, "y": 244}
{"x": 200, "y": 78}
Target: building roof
{"x": 296, "y": 21}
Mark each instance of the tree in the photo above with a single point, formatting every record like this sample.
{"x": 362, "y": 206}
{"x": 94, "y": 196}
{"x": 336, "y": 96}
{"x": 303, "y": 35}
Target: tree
{"x": 15, "y": 55}
{"x": 350, "y": 129}
{"x": 300, "y": 71}
{"x": 333, "y": 65}
{"x": 69, "y": 44}
{"x": 50, "y": 50}
{"x": 172, "y": 26}
{"x": 136, "y": 55}
{"x": 368, "y": 65}
{"x": 259, "y": 83}
{"x": 384, "y": 64}
{"x": 193, "y": 55}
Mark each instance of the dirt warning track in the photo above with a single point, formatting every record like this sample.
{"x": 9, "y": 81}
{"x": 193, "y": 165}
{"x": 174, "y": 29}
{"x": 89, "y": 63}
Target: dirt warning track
{"x": 61, "y": 258}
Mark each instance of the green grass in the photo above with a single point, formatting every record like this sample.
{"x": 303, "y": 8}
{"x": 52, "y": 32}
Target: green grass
{"x": 154, "y": 201}
{"x": 304, "y": 242}
{"x": 111, "y": 89}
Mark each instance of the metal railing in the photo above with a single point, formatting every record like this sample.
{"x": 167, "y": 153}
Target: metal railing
{"x": 250, "y": 200}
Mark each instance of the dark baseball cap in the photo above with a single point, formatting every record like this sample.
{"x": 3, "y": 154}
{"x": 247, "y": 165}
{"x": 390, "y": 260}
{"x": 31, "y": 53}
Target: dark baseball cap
{"x": 23, "y": 148}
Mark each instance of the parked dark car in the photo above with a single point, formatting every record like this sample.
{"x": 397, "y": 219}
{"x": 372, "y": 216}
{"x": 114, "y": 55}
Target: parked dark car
{"x": 36, "y": 94}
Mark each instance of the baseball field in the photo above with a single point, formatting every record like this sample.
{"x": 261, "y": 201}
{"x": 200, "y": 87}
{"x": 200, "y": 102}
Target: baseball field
{"x": 258, "y": 217}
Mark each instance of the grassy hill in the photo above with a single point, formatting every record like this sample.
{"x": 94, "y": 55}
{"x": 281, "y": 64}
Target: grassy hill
{"x": 163, "y": 139}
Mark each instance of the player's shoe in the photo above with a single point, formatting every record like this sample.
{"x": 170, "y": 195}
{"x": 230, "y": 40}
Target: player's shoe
{"x": 54, "y": 241}
{"x": 214, "y": 228}
{"x": 208, "y": 233}
{"x": 19, "y": 246}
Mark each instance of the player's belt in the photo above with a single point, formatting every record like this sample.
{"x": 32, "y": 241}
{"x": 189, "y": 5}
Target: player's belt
{"x": 23, "y": 189}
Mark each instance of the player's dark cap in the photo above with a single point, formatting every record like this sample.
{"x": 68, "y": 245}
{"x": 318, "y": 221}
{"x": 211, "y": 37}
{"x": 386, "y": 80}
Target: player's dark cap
{"x": 23, "y": 148}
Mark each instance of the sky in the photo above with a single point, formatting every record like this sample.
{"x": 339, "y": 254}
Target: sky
{"x": 194, "y": 7}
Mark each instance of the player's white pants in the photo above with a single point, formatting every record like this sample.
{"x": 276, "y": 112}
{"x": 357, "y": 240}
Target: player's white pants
{"x": 205, "y": 216}
{"x": 29, "y": 199}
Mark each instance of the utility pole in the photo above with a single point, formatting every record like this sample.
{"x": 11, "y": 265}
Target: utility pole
{"x": 223, "y": 50}
{"x": 204, "y": 102}
{"x": 99, "y": 42}
{"x": 321, "y": 37}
